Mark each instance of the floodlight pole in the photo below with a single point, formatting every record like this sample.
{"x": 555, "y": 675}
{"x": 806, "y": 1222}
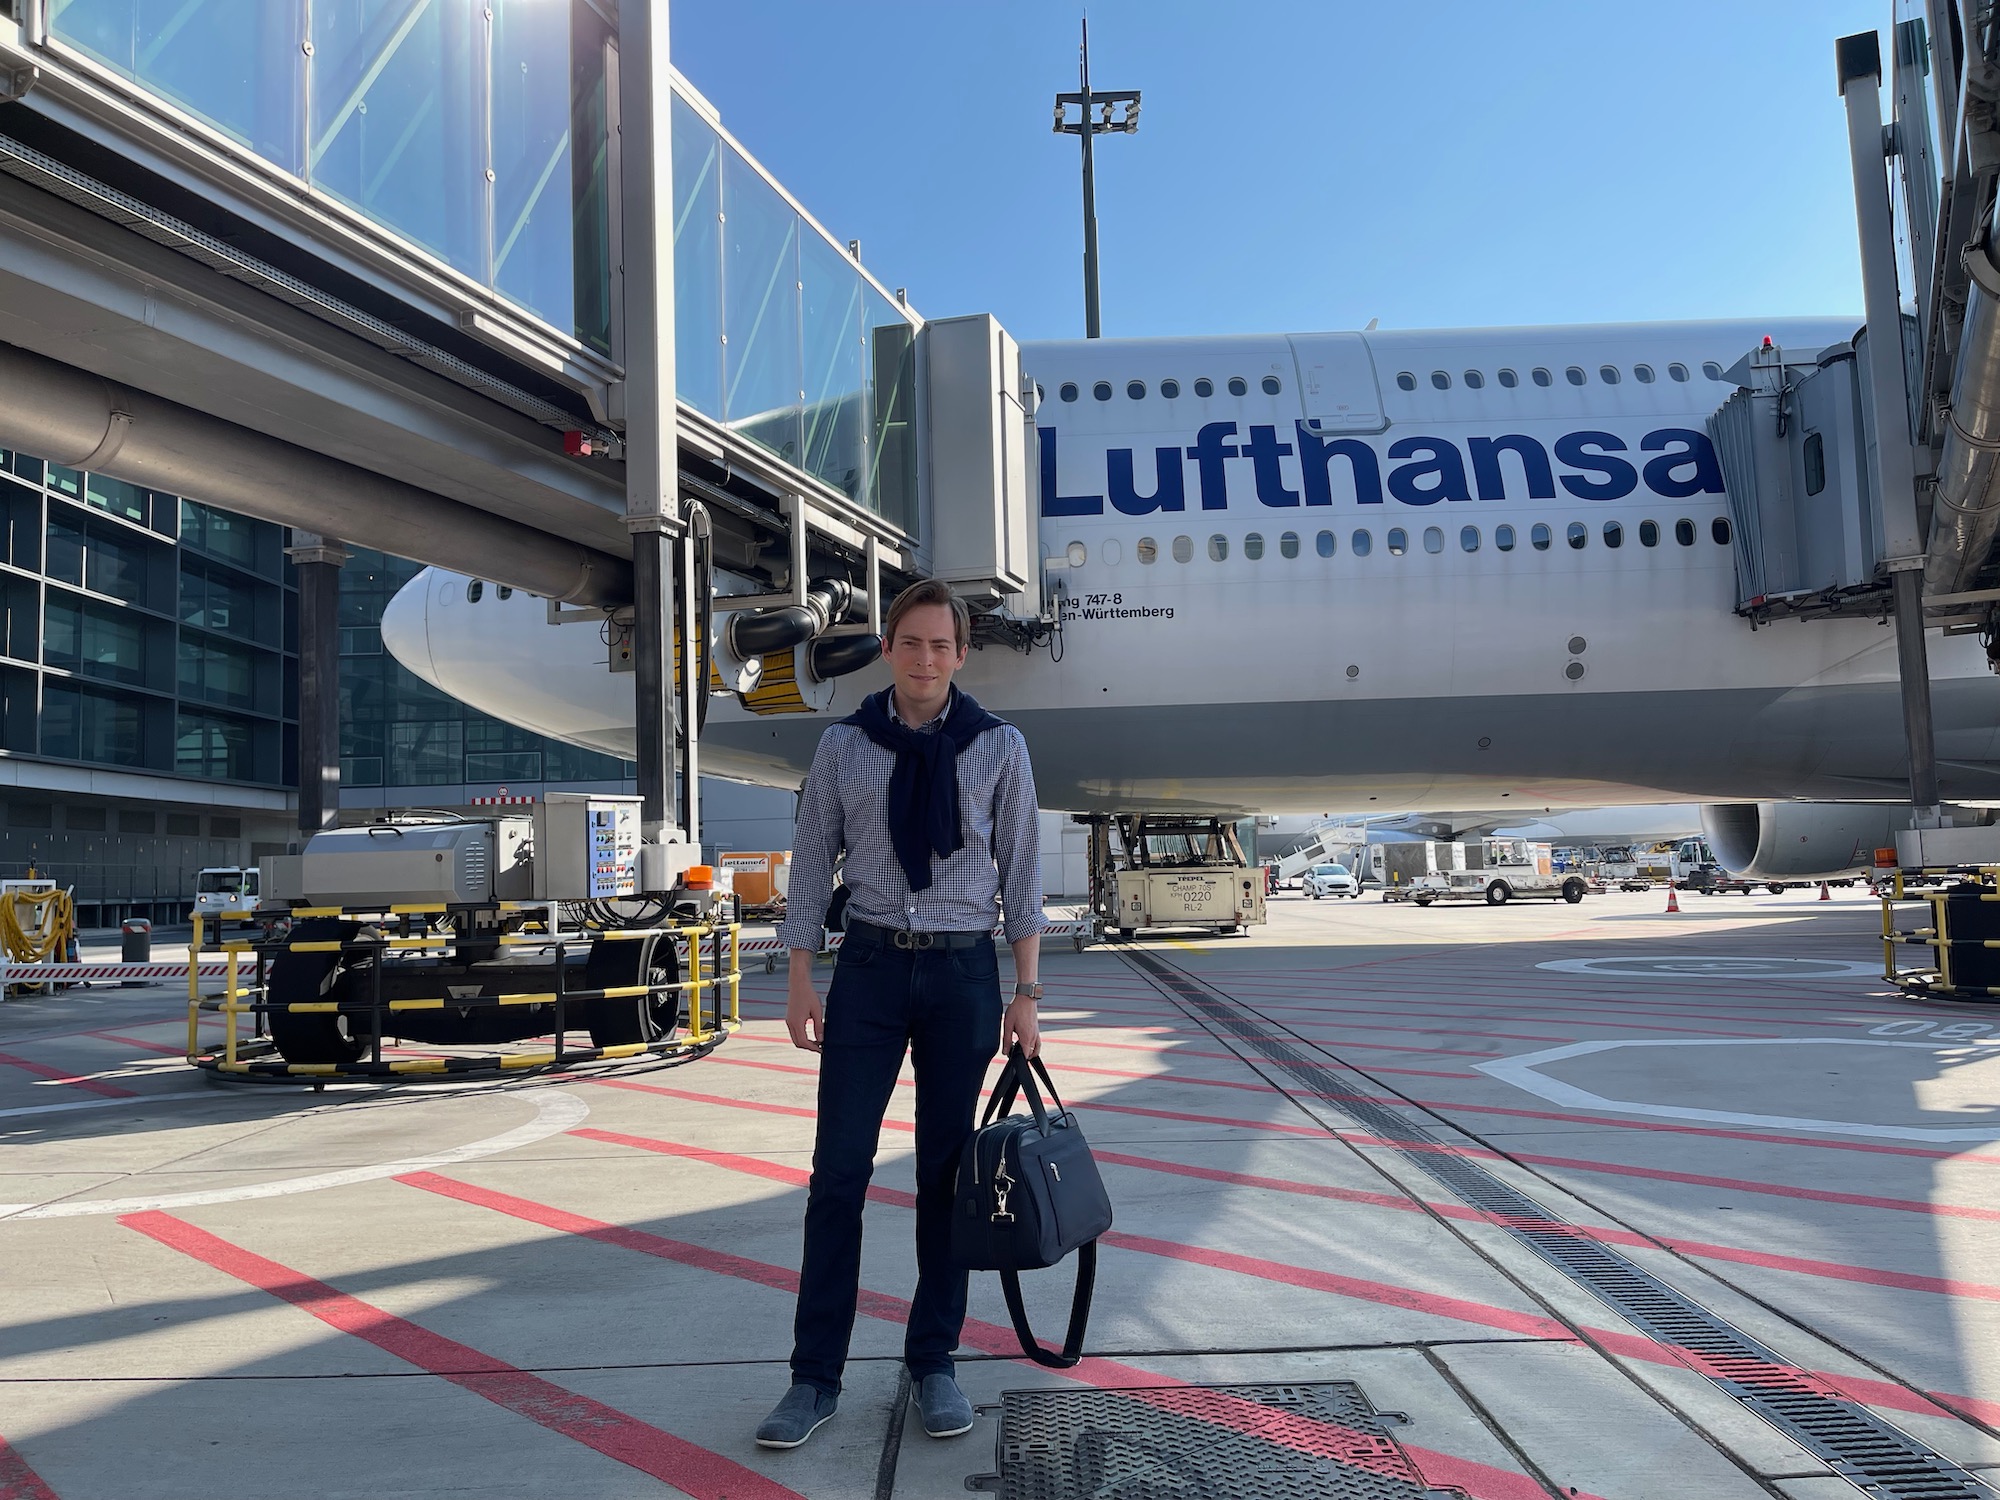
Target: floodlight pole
{"x": 1087, "y": 125}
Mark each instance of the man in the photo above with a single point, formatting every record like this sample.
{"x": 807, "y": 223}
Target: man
{"x": 932, "y": 801}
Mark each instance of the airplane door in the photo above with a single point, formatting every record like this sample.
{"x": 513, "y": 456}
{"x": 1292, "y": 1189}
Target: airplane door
{"x": 1337, "y": 384}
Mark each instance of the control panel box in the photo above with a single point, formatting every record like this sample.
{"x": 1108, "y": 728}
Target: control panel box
{"x": 586, "y": 847}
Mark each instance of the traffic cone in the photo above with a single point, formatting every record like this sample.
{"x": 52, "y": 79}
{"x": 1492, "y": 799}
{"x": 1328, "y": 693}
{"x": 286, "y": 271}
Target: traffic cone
{"x": 1673, "y": 901}
{"x": 1824, "y": 893}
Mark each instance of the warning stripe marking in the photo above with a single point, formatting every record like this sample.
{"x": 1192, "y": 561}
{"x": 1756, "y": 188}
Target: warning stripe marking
{"x": 17, "y": 1480}
{"x": 1321, "y": 1439}
{"x": 691, "y": 1469}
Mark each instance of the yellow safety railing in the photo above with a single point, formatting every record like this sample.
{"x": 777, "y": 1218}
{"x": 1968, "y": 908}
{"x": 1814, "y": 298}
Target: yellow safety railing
{"x": 238, "y": 998}
{"x": 1982, "y": 883}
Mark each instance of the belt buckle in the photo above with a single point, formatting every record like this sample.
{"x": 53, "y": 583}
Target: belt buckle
{"x": 904, "y": 938}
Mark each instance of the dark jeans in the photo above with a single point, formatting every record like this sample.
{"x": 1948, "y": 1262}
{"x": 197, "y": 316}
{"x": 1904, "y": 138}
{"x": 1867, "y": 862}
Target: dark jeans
{"x": 943, "y": 1005}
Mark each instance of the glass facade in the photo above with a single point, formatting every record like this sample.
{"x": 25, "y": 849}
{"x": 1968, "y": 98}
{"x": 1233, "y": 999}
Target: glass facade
{"x": 478, "y": 130}
{"x": 141, "y": 630}
{"x": 397, "y": 731}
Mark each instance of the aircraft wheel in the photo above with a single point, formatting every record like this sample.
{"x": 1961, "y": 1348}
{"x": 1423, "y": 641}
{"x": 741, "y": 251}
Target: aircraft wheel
{"x": 315, "y": 1037}
{"x": 643, "y": 1018}
{"x": 1497, "y": 894}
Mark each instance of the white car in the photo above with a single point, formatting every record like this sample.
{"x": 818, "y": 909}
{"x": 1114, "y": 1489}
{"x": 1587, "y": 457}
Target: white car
{"x": 1332, "y": 880}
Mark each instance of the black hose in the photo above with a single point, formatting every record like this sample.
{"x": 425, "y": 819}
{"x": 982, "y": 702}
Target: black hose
{"x": 761, "y": 632}
{"x": 836, "y": 656}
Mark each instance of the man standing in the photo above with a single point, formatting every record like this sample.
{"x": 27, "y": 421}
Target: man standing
{"x": 932, "y": 801}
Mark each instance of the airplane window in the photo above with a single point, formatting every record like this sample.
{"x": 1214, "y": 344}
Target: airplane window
{"x": 1398, "y": 541}
{"x": 1649, "y": 533}
{"x": 1288, "y": 544}
{"x": 1323, "y": 544}
{"x": 1503, "y": 538}
{"x": 1171, "y": 389}
{"x": 1272, "y": 385}
{"x": 1574, "y": 671}
{"x": 1677, "y": 371}
{"x": 1608, "y": 374}
{"x": 1361, "y": 542}
{"x": 1135, "y": 390}
{"x": 473, "y": 590}
{"x": 1253, "y": 546}
{"x": 1204, "y": 388}
{"x": 1078, "y": 554}
{"x": 1183, "y": 549}
{"x": 1109, "y": 551}
{"x": 1218, "y": 548}
{"x": 506, "y": 591}
{"x": 1541, "y": 377}
{"x": 1406, "y": 381}
{"x": 1711, "y": 369}
{"x": 1579, "y": 535}
{"x": 1684, "y": 532}
{"x": 1643, "y": 374}
{"x": 1574, "y": 375}
{"x": 1538, "y": 536}
{"x": 1474, "y": 380}
{"x": 1614, "y": 534}
{"x": 1068, "y": 391}
{"x": 1815, "y": 457}
{"x": 1468, "y": 538}
{"x": 1238, "y": 386}
{"x": 1433, "y": 539}
{"x": 1719, "y": 529}
{"x": 1440, "y": 380}
{"x": 1102, "y": 390}
{"x": 1148, "y": 551}
{"x": 1509, "y": 379}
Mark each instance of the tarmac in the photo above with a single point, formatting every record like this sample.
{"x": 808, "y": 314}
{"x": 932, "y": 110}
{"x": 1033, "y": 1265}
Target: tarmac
{"x": 1525, "y": 1203}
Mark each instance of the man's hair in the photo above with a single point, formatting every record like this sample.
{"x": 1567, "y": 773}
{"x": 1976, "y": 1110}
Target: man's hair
{"x": 929, "y": 591}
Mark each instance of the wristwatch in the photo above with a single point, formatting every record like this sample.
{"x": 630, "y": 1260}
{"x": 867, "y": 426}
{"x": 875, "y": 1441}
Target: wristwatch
{"x": 1027, "y": 991}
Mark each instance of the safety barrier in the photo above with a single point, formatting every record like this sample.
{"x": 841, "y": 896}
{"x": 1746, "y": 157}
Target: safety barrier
{"x": 249, "y": 1058}
{"x": 1963, "y": 935}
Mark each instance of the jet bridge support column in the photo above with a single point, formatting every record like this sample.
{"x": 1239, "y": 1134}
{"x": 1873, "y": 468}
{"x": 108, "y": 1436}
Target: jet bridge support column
{"x": 318, "y": 561}
{"x": 645, "y": 286}
{"x": 1859, "y": 62}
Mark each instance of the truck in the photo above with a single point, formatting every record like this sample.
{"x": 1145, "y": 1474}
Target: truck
{"x": 1499, "y": 871}
{"x": 1163, "y": 870}
{"x": 223, "y": 888}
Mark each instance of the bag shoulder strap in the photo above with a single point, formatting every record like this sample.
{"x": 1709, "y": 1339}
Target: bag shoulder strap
{"x": 1079, "y": 1312}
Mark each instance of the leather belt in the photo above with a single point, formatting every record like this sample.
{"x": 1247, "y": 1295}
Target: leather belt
{"x": 900, "y": 937}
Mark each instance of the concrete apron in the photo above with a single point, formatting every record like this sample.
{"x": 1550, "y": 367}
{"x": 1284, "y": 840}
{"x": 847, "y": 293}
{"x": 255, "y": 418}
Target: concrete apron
{"x": 583, "y": 1287}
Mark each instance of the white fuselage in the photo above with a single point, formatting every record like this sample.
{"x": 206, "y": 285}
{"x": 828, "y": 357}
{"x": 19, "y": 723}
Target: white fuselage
{"x": 1332, "y": 589}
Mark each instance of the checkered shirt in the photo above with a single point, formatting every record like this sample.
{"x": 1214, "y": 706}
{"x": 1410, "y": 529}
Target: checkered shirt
{"x": 844, "y": 808}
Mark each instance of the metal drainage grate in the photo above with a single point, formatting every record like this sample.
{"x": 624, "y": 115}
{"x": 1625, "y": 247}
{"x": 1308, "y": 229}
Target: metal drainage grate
{"x": 1311, "y": 1440}
{"x": 1850, "y": 1439}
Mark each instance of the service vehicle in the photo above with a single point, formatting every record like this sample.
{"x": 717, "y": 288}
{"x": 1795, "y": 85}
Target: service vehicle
{"x": 223, "y": 888}
{"x": 1332, "y": 880}
{"x": 1502, "y": 870}
{"x": 1713, "y": 880}
{"x": 1156, "y": 870}
{"x": 1620, "y": 867}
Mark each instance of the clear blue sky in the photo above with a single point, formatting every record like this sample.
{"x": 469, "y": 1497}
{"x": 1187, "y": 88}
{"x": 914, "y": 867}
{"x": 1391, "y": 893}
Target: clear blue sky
{"x": 1312, "y": 164}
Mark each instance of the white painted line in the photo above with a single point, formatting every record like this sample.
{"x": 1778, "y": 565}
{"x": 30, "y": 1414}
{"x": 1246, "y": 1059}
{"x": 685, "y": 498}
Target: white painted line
{"x": 555, "y": 1112}
{"x": 52, "y": 1109}
{"x": 1688, "y": 966}
{"x": 1521, "y": 1072}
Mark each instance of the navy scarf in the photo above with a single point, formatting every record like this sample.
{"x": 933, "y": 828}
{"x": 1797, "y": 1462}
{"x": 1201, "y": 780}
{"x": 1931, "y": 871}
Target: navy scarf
{"x": 923, "y": 789}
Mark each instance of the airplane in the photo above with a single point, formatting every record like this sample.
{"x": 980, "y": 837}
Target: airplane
{"x": 1410, "y": 571}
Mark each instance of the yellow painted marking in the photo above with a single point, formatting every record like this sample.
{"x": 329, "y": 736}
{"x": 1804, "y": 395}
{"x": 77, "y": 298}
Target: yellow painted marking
{"x": 416, "y": 1005}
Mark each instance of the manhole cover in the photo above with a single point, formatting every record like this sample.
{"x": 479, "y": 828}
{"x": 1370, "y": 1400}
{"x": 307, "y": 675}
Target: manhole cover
{"x": 1318, "y": 1440}
{"x": 1693, "y": 966}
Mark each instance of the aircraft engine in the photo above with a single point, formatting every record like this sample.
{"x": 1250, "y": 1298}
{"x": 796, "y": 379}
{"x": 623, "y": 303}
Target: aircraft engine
{"x": 1799, "y": 840}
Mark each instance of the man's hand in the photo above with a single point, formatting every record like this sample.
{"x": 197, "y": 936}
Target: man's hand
{"x": 805, "y": 1019}
{"x": 1022, "y": 1025}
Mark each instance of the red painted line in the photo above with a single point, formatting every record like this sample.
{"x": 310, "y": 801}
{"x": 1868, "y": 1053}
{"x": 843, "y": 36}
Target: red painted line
{"x": 1697, "y": 1179}
{"x": 691, "y": 1469}
{"x": 56, "y": 1075}
{"x": 17, "y": 1480}
{"x": 1382, "y": 1294}
{"x": 1301, "y": 1434}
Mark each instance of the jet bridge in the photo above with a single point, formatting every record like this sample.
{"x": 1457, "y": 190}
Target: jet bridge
{"x": 405, "y": 289}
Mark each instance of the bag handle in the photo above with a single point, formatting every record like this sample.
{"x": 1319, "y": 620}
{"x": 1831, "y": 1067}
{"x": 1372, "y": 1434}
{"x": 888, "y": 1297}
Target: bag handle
{"x": 1079, "y": 1312}
{"x": 1018, "y": 1076}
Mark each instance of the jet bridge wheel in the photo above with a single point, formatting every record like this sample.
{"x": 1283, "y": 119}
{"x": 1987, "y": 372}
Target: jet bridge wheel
{"x": 1499, "y": 893}
{"x": 315, "y": 1037}
{"x": 614, "y": 963}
